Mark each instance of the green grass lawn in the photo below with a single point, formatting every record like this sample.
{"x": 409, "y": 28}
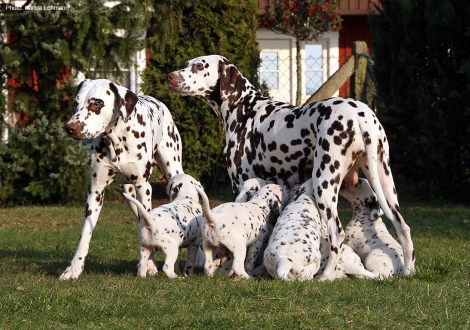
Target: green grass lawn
{"x": 37, "y": 244}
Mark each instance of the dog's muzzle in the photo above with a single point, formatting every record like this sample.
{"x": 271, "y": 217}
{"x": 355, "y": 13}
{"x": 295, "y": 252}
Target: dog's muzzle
{"x": 175, "y": 83}
{"x": 75, "y": 129}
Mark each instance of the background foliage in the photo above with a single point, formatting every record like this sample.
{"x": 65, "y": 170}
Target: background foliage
{"x": 182, "y": 31}
{"x": 422, "y": 56}
{"x": 43, "y": 52}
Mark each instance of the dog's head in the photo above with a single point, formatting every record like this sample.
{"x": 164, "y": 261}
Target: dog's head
{"x": 183, "y": 184}
{"x": 249, "y": 188}
{"x": 212, "y": 78}
{"x": 276, "y": 197}
{"x": 97, "y": 105}
{"x": 362, "y": 195}
{"x": 306, "y": 188}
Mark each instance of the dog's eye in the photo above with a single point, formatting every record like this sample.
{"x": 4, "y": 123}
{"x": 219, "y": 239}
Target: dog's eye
{"x": 199, "y": 67}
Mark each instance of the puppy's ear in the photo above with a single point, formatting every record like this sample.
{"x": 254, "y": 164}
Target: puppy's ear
{"x": 251, "y": 193}
{"x": 125, "y": 100}
{"x": 375, "y": 210}
{"x": 174, "y": 191}
{"x": 230, "y": 78}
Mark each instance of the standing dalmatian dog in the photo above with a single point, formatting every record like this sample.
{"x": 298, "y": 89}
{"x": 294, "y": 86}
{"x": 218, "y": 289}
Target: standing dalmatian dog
{"x": 330, "y": 141}
{"x": 128, "y": 133}
{"x": 370, "y": 239}
{"x": 172, "y": 226}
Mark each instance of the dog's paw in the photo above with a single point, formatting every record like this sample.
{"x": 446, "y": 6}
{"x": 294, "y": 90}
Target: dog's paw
{"x": 323, "y": 278}
{"x": 171, "y": 275}
{"x": 410, "y": 271}
{"x": 151, "y": 268}
{"x": 71, "y": 272}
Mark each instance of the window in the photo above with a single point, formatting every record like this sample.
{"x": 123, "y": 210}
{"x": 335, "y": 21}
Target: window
{"x": 269, "y": 71}
{"x": 313, "y": 68}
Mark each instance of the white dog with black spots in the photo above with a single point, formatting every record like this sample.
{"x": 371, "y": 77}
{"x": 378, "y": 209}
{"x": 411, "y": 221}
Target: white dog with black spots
{"x": 172, "y": 226}
{"x": 128, "y": 131}
{"x": 328, "y": 141}
{"x": 298, "y": 246}
{"x": 239, "y": 228}
{"x": 368, "y": 236}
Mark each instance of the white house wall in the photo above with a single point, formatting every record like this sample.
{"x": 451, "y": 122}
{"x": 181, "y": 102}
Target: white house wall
{"x": 270, "y": 41}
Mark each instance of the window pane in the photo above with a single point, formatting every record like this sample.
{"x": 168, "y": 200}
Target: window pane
{"x": 271, "y": 79}
{"x": 313, "y": 57}
{"x": 313, "y": 81}
{"x": 269, "y": 61}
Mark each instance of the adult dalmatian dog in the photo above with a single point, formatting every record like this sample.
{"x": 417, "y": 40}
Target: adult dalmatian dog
{"x": 330, "y": 141}
{"x": 128, "y": 133}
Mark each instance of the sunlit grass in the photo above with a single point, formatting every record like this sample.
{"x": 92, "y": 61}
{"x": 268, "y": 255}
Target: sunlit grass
{"x": 37, "y": 244}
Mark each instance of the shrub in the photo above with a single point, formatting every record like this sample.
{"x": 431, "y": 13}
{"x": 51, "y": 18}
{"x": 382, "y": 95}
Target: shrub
{"x": 42, "y": 164}
{"x": 421, "y": 51}
{"x": 184, "y": 30}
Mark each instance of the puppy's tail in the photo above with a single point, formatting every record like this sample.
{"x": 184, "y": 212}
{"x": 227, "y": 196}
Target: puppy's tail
{"x": 140, "y": 208}
{"x": 206, "y": 208}
{"x": 374, "y": 159}
{"x": 283, "y": 270}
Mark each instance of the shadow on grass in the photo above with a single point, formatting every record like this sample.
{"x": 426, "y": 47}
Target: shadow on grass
{"x": 53, "y": 263}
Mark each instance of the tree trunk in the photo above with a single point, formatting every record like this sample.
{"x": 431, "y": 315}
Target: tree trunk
{"x": 298, "y": 100}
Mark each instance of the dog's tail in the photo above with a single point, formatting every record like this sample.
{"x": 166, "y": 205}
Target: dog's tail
{"x": 373, "y": 161}
{"x": 283, "y": 269}
{"x": 140, "y": 208}
{"x": 206, "y": 208}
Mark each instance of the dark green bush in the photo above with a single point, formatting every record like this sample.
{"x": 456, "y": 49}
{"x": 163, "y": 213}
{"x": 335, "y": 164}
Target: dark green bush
{"x": 422, "y": 54}
{"x": 42, "y": 164}
{"x": 40, "y": 54}
{"x": 182, "y": 31}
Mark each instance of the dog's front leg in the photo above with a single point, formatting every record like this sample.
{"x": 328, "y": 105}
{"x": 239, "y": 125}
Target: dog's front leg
{"x": 92, "y": 212}
{"x": 143, "y": 192}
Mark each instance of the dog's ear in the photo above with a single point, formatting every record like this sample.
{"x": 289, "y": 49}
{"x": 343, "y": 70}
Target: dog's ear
{"x": 375, "y": 210}
{"x": 251, "y": 193}
{"x": 173, "y": 190}
{"x": 78, "y": 88}
{"x": 230, "y": 78}
{"x": 125, "y": 100}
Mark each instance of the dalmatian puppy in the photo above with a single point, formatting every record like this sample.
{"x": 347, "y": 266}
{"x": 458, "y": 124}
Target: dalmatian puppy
{"x": 222, "y": 258}
{"x": 249, "y": 188}
{"x": 172, "y": 226}
{"x": 128, "y": 131}
{"x": 297, "y": 248}
{"x": 370, "y": 239}
{"x": 239, "y": 228}
{"x": 328, "y": 141}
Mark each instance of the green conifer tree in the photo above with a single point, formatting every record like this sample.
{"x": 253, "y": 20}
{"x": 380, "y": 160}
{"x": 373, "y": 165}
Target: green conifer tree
{"x": 181, "y": 31}
{"x": 41, "y": 52}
